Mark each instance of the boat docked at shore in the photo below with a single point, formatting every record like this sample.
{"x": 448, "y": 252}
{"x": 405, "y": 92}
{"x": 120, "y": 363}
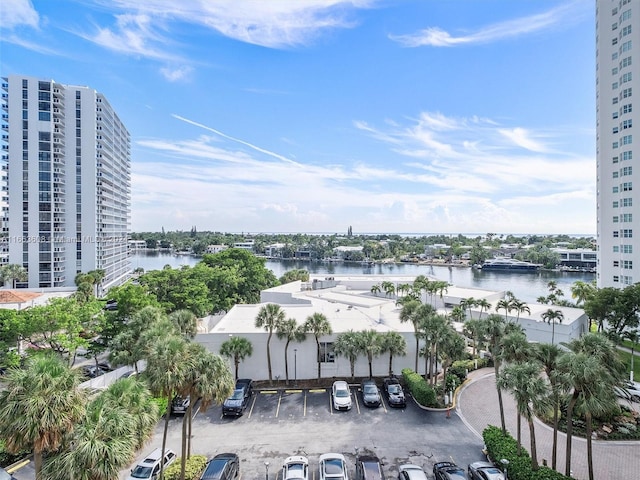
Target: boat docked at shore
{"x": 509, "y": 265}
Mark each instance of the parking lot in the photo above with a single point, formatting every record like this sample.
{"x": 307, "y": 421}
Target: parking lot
{"x": 280, "y": 423}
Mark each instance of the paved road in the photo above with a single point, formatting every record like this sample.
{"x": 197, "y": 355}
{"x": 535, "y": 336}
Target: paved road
{"x": 478, "y": 407}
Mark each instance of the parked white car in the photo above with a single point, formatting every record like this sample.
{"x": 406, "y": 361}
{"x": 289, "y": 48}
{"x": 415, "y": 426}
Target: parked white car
{"x": 341, "y": 395}
{"x": 295, "y": 468}
{"x": 333, "y": 466}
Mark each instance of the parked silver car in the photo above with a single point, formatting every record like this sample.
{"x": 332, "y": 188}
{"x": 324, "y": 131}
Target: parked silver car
{"x": 341, "y": 395}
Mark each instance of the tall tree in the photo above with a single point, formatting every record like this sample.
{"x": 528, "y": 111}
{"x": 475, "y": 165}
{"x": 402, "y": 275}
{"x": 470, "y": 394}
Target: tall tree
{"x": 13, "y": 273}
{"x": 395, "y": 345}
{"x": 347, "y": 345}
{"x": 166, "y": 375}
{"x": 528, "y": 388}
{"x": 413, "y": 311}
{"x": 494, "y": 329}
{"x": 209, "y": 380}
{"x": 318, "y": 325}
{"x": 269, "y": 317}
{"x": 39, "y": 406}
{"x": 370, "y": 343}
{"x": 550, "y": 316}
{"x": 237, "y": 349}
{"x": 186, "y": 322}
{"x": 547, "y": 355}
{"x": 474, "y": 330}
{"x": 100, "y": 446}
{"x": 592, "y": 368}
{"x": 290, "y": 331}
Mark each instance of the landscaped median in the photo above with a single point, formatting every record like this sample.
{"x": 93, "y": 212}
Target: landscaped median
{"x": 501, "y": 446}
{"x": 194, "y": 467}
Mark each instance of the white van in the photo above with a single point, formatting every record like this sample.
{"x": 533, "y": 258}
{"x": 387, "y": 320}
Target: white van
{"x": 149, "y": 468}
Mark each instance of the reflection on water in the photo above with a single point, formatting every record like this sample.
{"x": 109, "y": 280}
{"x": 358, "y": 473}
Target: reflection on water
{"x": 525, "y": 286}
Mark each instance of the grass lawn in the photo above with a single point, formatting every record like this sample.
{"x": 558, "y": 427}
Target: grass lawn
{"x": 629, "y": 344}
{"x": 626, "y": 358}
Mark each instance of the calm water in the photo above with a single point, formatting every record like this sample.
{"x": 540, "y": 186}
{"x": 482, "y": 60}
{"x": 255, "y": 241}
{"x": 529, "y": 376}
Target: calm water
{"x": 525, "y": 286}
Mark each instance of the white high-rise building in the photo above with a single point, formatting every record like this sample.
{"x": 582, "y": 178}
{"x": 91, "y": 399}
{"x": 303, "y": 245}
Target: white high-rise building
{"x": 618, "y": 74}
{"x": 67, "y": 162}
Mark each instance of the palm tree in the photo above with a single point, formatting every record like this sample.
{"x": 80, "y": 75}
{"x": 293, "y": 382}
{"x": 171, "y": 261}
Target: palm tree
{"x": 515, "y": 348}
{"x": 582, "y": 291}
{"x": 468, "y": 304}
{"x": 412, "y": 311}
{"x": 370, "y": 343}
{"x": 270, "y": 317}
{"x": 592, "y": 368}
{"x": 506, "y": 305}
{"x": 289, "y": 330}
{"x": 473, "y": 329}
{"x": 396, "y": 345}
{"x": 494, "y": 329}
{"x": 550, "y": 316}
{"x": 389, "y": 288}
{"x": 209, "y": 380}
{"x": 132, "y": 396}
{"x": 318, "y": 325}
{"x": 519, "y": 307}
{"x": 186, "y": 322}
{"x": 451, "y": 349}
{"x": 547, "y": 355}
{"x": 433, "y": 328}
{"x": 100, "y": 446}
{"x": 12, "y": 273}
{"x": 375, "y": 289}
{"x": 39, "y": 405}
{"x": 458, "y": 314}
{"x": 528, "y": 388}
{"x": 168, "y": 367}
{"x": 347, "y": 345}
{"x": 237, "y": 349}
{"x": 484, "y": 305}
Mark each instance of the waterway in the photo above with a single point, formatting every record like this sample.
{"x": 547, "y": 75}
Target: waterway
{"x": 526, "y": 287}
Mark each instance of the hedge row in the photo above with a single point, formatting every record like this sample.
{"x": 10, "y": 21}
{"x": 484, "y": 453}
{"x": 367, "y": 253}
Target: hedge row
{"x": 503, "y": 446}
{"x": 421, "y": 391}
{"x": 194, "y": 467}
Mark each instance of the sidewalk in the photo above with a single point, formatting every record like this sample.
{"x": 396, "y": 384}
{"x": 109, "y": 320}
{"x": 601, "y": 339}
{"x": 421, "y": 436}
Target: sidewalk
{"x": 478, "y": 407}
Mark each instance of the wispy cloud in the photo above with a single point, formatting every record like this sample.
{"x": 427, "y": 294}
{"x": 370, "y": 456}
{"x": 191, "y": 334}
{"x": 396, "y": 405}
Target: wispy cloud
{"x": 237, "y": 140}
{"x": 176, "y": 74}
{"x": 17, "y": 13}
{"x": 437, "y": 37}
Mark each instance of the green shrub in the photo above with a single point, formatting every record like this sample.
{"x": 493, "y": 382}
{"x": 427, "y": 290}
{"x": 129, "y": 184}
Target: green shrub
{"x": 421, "y": 391}
{"x": 193, "y": 468}
{"x": 500, "y": 445}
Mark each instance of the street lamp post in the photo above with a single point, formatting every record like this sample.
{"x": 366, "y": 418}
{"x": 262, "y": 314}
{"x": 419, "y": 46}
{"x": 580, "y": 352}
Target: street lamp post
{"x": 505, "y": 464}
{"x": 266, "y": 470}
{"x": 295, "y": 365}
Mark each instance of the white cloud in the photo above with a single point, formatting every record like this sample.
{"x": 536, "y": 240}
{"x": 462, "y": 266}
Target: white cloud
{"x": 176, "y": 74}
{"x": 522, "y": 138}
{"x": 15, "y": 13}
{"x": 437, "y": 37}
{"x": 216, "y": 181}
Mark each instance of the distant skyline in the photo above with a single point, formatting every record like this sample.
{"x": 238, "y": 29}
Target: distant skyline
{"x": 312, "y": 116}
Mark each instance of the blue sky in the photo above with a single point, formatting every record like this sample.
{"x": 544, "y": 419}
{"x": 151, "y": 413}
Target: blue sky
{"x": 398, "y": 116}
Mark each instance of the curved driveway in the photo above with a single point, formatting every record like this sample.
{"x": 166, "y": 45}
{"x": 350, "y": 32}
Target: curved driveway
{"x": 478, "y": 407}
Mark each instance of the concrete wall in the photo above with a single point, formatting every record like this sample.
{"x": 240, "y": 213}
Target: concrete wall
{"x": 303, "y": 363}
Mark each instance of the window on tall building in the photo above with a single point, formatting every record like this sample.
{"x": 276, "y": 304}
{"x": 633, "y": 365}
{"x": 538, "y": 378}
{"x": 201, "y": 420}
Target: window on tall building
{"x": 626, "y": 30}
{"x": 626, "y": 61}
{"x": 627, "y": 280}
{"x": 627, "y": 217}
{"x": 626, "y": 77}
{"x": 614, "y": 86}
{"x": 614, "y": 130}
{"x": 627, "y": 92}
{"x": 627, "y": 139}
{"x": 615, "y": 219}
{"x": 614, "y": 190}
{"x": 615, "y": 204}
{"x": 616, "y": 249}
{"x": 615, "y": 234}
{"x": 627, "y": 124}
{"x": 626, "y": 108}
{"x": 627, "y": 264}
{"x": 614, "y": 115}
{"x": 626, "y": 15}
{"x": 615, "y": 174}
{"x": 615, "y": 279}
{"x": 626, "y": 46}
{"x": 626, "y": 171}
{"x": 615, "y": 159}
{"x": 627, "y": 187}
{"x": 627, "y": 233}
{"x": 628, "y": 155}
{"x": 616, "y": 263}
{"x": 627, "y": 202}
{"x": 627, "y": 248}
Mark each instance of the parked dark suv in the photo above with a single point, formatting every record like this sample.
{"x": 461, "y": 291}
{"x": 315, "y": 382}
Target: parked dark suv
{"x": 368, "y": 467}
{"x": 238, "y": 401}
{"x": 224, "y": 466}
